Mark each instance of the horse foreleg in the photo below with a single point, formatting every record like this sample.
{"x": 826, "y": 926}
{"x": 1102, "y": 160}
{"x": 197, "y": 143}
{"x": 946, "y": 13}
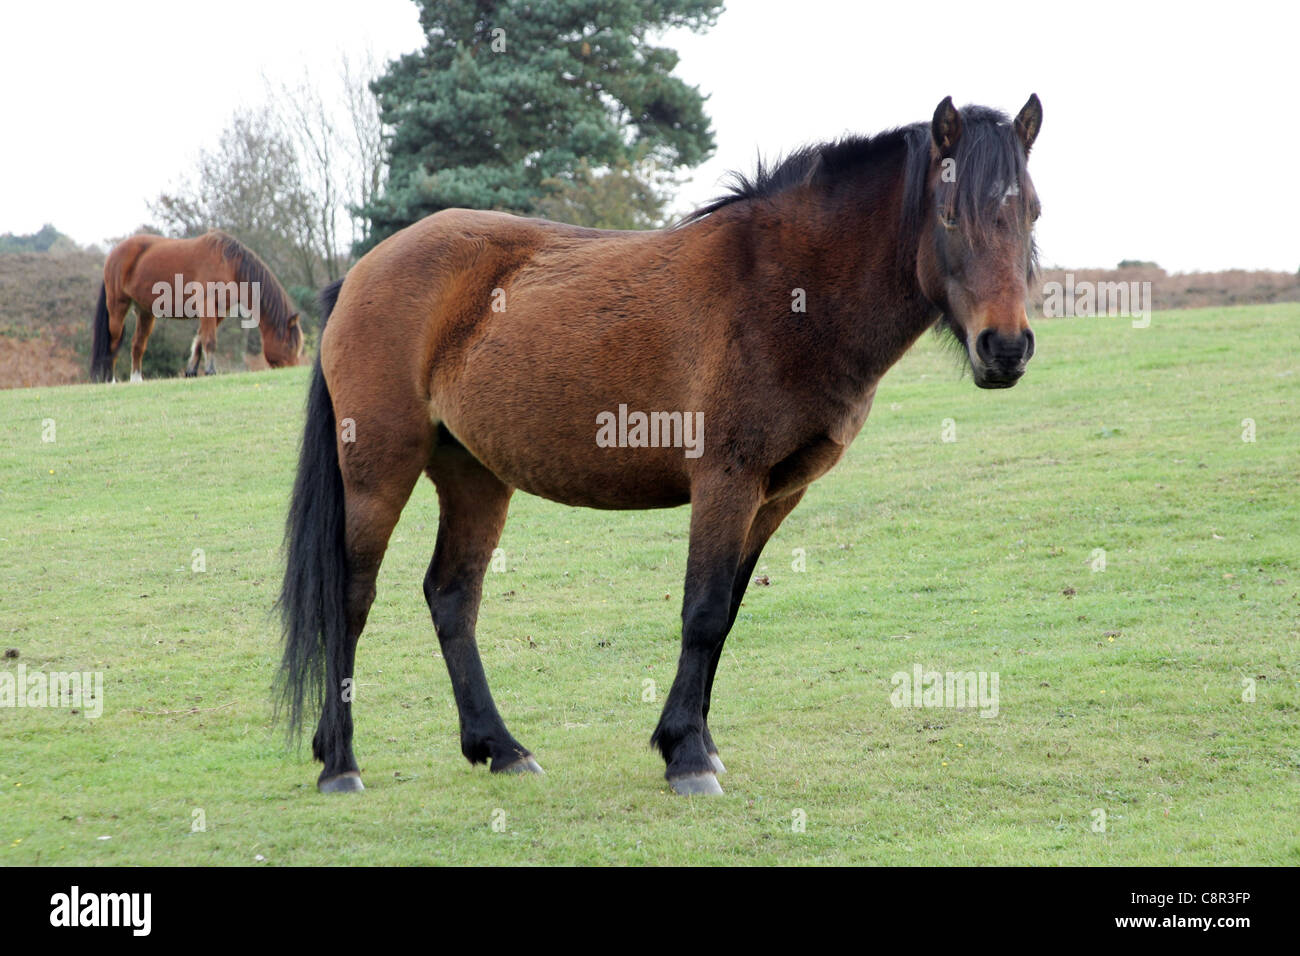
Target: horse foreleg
{"x": 766, "y": 522}
{"x": 143, "y": 328}
{"x": 722, "y": 514}
{"x": 472, "y": 505}
{"x": 192, "y": 366}
{"x": 208, "y": 336}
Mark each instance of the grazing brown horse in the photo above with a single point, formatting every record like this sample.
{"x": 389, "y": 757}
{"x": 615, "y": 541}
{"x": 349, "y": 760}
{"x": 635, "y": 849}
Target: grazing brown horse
{"x": 726, "y": 363}
{"x": 205, "y": 278}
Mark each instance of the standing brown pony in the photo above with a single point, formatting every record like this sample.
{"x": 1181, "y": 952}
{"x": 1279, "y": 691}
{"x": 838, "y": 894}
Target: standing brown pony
{"x": 725, "y": 363}
{"x": 154, "y": 273}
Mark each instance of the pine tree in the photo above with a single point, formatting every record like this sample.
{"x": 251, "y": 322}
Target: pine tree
{"x": 510, "y": 101}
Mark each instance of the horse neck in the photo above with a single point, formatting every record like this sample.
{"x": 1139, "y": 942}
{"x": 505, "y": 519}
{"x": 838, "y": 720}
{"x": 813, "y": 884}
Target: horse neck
{"x": 236, "y": 268}
{"x": 866, "y": 305}
{"x": 270, "y": 293}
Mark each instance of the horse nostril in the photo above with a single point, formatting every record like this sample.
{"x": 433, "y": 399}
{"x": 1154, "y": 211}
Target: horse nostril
{"x": 984, "y": 347}
{"x": 1028, "y": 336}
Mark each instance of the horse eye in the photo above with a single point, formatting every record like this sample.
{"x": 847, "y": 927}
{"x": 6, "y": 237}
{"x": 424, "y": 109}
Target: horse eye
{"x": 949, "y": 221}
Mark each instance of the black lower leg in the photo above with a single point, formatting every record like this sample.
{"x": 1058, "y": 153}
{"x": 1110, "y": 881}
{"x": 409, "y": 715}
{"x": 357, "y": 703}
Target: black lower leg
{"x": 680, "y": 734}
{"x": 737, "y": 594}
{"x": 766, "y": 521}
{"x": 483, "y": 734}
{"x": 473, "y": 505}
{"x": 721, "y": 515}
{"x": 332, "y": 744}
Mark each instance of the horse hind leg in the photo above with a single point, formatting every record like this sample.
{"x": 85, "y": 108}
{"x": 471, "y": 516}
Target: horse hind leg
{"x": 144, "y": 322}
{"x": 371, "y": 518}
{"x": 472, "y": 512}
{"x": 117, "y": 312}
{"x": 374, "y": 495}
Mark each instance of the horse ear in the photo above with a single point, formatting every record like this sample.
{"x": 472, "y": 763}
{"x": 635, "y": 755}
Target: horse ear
{"x": 945, "y": 129}
{"x": 1029, "y": 121}
{"x": 293, "y": 320}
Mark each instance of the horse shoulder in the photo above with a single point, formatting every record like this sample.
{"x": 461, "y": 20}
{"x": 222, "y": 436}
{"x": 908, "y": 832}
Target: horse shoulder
{"x": 819, "y": 453}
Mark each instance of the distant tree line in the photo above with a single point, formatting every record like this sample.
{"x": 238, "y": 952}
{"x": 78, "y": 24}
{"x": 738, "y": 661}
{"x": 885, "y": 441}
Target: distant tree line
{"x": 48, "y": 239}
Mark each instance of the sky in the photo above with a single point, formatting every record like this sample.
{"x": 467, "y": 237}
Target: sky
{"x": 1169, "y": 135}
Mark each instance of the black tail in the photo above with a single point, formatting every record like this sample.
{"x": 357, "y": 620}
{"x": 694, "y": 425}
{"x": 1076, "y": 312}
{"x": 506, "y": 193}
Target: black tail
{"x": 313, "y": 597}
{"x": 101, "y": 362}
{"x": 329, "y": 297}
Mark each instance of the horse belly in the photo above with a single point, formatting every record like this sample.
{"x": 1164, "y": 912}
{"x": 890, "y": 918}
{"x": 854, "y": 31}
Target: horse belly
{"x": 616, "y": 481}
{"x": 551, "y": 427}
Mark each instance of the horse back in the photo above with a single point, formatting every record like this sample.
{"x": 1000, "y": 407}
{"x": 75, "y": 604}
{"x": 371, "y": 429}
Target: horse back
{"x": 138, "y": 263}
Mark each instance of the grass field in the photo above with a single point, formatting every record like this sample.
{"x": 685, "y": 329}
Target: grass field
{"x": 1124, "y": 690}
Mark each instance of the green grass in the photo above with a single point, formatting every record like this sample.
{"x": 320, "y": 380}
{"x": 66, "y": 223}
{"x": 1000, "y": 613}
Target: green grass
{"x": 1120, "y": 690}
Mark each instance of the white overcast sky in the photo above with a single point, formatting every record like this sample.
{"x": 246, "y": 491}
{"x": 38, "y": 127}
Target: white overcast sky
{"x": 1171, "y": 131}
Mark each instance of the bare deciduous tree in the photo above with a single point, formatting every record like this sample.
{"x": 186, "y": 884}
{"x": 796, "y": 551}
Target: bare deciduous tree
{"x": 288, "y": 178}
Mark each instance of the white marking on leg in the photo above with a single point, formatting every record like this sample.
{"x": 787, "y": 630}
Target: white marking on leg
{"x": 136, "y": 376}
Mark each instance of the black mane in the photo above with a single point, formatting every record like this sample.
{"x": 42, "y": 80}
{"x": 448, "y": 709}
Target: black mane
{"x": 275, "y": 307}
{"x": 989, "y": 158}
{"x": 815, "y": 163}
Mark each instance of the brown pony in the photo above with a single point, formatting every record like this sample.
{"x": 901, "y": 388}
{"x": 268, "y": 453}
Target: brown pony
{"x": 726, "y": 363}
{"x": 204, "y": 278}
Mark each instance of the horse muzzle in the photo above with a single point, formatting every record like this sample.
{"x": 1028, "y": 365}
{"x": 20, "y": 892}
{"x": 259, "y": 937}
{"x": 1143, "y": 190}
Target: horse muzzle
{"x": 998, "y": 360}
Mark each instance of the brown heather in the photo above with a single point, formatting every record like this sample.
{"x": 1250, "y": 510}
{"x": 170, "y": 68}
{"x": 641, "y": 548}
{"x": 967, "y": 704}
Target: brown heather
{"x": 1184, "y": 290}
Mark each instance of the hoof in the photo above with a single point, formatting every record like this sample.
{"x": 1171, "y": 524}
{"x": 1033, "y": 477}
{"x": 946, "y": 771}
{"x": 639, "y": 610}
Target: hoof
{"x": 697, "y": 784}
{"x": 718, "y": 766}
{"x": 189, "y": 374}
{"x": 349, "y": 782}
{"x": 525, "y": 764}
